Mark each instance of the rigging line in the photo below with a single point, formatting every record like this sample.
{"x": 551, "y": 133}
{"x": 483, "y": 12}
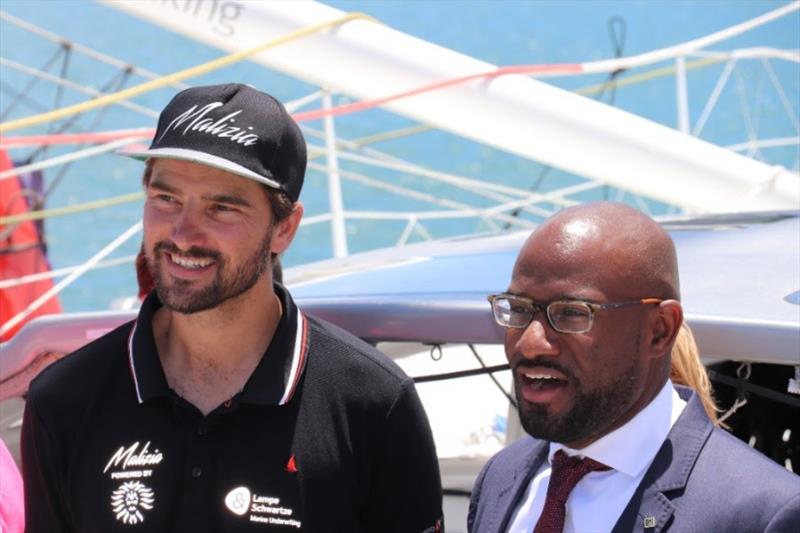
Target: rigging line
{"x": 469, "y": 184}
{"x": 30, "y": 102}
{"x": 476, "y": 187}
{"x": 674, "y": 51}
{"x": 618, "y": 45}
{"x": 714, "y": 97}
{"x": 741, "y": 91}
{"x": 72, "y": 156}
{"x": 633, "y": 79}
{"x": 401, "y": 191}
{"x": 470, "y": 212}
{"x": 81, "y": 49}
{"x": 33, "y": 278}
{"x": 380, "y": 159}
{"x": 511, "y": 400}
{"x": 59, "y": 96}
{"x": 31, "y": 83}
{"x": 120, "y": 79}
{"x": 787, "y": 105}
{"x": 75, "y": 86}
{"x": 757, "y": 52}
{"x": 72, "y": 209}
{"x": 61, "y": 285}
{"x": 70, "y": 138}
{"x": 617, "y": 32}
{"x": 180, "y": 75}
{"x": 24, "y": 141}
{"x": 765, "y": 143}
{"x": 561, "y": 69}
{"x": 30, "y": 197}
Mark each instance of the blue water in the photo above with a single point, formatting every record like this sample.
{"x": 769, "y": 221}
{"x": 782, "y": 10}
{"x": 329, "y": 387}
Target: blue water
{"x": 500, "y": 32}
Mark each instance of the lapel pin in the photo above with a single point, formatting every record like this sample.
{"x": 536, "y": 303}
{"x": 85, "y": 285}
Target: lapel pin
{"x": 649, "y": 521}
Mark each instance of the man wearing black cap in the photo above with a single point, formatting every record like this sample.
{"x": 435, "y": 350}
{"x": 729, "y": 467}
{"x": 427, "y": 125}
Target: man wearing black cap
{"x": 222, "y": 407}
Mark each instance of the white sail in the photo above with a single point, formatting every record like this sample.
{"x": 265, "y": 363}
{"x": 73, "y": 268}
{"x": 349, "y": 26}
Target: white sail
{"x": 367, "y": 60}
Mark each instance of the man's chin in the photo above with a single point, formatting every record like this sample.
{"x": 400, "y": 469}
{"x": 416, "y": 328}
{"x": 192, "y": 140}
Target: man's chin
{"x": 179, "y": 301}
{"x": 544, "y": 422}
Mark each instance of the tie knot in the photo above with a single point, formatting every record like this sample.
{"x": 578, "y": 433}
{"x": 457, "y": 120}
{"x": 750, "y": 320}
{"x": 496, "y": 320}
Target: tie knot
{"x": 566, "y": 473}
{"x": 566, "y": 465}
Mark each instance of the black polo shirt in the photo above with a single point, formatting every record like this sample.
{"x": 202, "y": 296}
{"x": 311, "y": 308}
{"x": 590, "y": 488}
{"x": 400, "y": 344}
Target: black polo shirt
{"x": 327, "y": 435}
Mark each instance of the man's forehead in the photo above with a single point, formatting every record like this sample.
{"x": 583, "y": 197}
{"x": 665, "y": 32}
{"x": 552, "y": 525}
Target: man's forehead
{"x": 199, "y": 175}
{"x": 572, "y": 257}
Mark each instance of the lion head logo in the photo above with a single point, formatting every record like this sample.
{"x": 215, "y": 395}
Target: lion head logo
{"x": 129, "y": 500}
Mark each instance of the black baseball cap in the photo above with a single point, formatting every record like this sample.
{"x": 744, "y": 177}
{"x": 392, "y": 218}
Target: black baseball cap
{"x": 236, "y": 128}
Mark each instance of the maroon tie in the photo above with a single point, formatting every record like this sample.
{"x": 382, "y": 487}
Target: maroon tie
{"x": 566, "y": 473}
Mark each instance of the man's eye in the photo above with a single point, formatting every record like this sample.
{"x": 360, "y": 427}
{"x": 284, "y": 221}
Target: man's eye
{"x": 165, "y": 198}
{"x": 221, "y": 208}
{"x": 574, "y": 312}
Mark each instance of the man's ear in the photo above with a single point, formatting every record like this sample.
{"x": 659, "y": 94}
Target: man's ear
{"x": 664, "y": 327}
{"x": 284, "y": 231}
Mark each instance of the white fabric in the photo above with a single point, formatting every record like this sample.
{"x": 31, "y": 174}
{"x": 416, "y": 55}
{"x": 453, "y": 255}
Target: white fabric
{"x": 597, "y": 501}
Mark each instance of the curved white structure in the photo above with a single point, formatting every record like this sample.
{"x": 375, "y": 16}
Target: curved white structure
{"x": 368, "y": 60}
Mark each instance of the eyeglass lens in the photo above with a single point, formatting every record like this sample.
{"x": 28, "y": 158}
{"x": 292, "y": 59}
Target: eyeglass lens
{"x": 567, "y": 317}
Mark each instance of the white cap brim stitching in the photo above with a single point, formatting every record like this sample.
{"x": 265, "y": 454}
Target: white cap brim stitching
{"x": 204, "y": 159}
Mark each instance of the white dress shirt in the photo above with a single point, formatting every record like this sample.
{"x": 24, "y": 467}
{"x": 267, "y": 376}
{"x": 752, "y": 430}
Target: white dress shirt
{"x": 597, "y": 501}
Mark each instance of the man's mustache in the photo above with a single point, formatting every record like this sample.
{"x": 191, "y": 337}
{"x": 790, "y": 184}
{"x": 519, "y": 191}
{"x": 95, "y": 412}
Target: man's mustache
{"x": 541, "y": 362}
{"x": 194, "y": 251}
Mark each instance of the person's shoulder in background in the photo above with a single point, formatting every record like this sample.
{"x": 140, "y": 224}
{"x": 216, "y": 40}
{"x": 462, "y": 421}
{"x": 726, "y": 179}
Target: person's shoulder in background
{"x": 12, "y": 506}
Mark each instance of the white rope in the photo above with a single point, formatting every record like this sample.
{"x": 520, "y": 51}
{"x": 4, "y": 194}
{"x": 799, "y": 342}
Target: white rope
{"x": 85, "y": 50}
{"x": 64, "y": 283}
{"x": 757, "y": 52}
{"x": 74, "y": 86}
{"x": 478, "y": 187}
{"x": 73, "y": 156}
{"x": 401, "y": 191}
{"x": 315, "y": 219}
{"x": 558, "y": 193}
{"x": 431, "y": 215}
{"x": 40, "y": 276}
{"x": 765, "y": 143}
{"x": 749, "y": 124}
{"x": 297, "y": 103}
{"x": 682, "y": 49}
{"x": 407, "y": 231}
{"x": 787, "y": 105}
{"x": 712, "y": 100}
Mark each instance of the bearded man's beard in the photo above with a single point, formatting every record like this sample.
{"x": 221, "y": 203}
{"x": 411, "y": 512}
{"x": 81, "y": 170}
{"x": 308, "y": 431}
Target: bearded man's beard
{"x": 229, "y": 282}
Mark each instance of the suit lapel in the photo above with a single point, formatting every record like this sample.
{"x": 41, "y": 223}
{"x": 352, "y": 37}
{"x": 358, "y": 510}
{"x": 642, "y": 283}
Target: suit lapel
{"x": 509, "y": 496}
{"x": 651, "y": 507}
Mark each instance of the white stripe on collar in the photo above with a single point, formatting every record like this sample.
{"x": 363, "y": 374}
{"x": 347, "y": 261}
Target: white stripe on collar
{"x": 298, "y": 358}
{"x": 130, "y": 361}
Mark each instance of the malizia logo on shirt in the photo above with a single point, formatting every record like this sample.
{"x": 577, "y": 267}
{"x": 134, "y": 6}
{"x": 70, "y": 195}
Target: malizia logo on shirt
{"x": 259, "y": 508}
{"x": 195, "y": 120}
{"x": 133, "y": 498}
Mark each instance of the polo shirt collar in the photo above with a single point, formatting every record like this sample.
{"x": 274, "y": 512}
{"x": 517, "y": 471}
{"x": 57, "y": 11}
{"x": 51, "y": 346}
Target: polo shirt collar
{"x": 274, "y": 379}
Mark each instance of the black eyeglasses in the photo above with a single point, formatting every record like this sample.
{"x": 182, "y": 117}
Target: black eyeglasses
{"x": 565, "y": 316}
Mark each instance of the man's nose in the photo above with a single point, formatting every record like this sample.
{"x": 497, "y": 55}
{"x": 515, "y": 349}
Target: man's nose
{"x": 537, "y": 339}
{"x": 187, "y": 228}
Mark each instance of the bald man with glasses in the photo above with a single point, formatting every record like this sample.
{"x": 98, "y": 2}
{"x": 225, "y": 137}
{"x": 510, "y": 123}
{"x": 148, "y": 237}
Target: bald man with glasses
{"x": 591, "y": 314}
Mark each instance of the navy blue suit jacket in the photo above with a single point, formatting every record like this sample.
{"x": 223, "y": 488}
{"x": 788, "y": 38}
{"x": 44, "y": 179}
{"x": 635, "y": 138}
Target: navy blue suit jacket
{"x": 702, "y": 479}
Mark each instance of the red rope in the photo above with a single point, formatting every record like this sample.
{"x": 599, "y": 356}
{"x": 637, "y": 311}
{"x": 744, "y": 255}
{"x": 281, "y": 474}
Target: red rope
{"x": 502, "y": 71}
{"x": 346, "y": 109}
